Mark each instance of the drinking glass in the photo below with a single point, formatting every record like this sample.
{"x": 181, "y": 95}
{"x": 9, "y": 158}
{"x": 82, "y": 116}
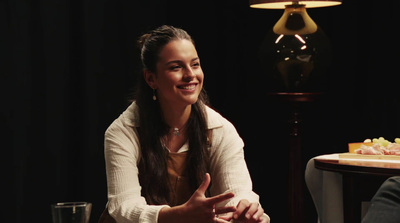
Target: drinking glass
{"x": 71, "y": 212}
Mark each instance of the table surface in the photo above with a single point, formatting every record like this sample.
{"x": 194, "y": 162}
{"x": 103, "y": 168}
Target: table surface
{"x": 332, "y": 162}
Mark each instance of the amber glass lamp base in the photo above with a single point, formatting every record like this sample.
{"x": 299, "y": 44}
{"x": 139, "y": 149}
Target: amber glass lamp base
{"x": 296, "y": 54}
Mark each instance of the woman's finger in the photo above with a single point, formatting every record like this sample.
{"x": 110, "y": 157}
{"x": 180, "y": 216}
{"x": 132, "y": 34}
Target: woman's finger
{"x": 251, "y": 211}
{"x": 224, "y": 210}
{"x": 204, "y": 185}
{"x": 219, "y": 198}
{"x": 221, "y": 220}
{"x": 241, "y": 209}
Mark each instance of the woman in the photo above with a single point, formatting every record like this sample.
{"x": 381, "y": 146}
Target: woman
{"x": 162, "y": 152}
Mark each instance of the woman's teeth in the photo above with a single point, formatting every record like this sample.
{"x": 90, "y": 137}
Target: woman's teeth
{"x": 188, "y": 87}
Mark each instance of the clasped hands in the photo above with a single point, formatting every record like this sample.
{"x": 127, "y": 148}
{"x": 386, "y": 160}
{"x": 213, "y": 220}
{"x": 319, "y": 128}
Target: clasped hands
{"x": 200, "y": 209}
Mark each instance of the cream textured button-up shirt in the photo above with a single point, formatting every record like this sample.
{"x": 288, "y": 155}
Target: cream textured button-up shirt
{"x": 228, "y": 169}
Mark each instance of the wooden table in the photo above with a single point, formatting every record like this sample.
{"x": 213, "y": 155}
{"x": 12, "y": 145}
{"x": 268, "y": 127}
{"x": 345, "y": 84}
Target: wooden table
{"x": 361, "y": 180}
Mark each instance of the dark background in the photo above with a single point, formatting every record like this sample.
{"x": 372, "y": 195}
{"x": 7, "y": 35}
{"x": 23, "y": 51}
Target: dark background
{"x": 67, "y": 69}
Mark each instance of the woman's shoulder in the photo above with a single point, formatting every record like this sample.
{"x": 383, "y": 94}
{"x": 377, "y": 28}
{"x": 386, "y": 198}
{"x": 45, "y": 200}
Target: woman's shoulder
{"x": 121, "y": 134}
{"x": 223, "y": 131}
{"x": 128, "y": 119}
{"x": 131, "y": 115}
{"x": 216, "y": 119}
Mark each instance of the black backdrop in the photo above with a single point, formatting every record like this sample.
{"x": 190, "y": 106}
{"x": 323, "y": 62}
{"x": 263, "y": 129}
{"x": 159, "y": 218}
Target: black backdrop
{"x": 67, "y": 71}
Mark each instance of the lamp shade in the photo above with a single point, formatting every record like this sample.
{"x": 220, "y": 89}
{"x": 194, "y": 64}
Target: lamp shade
{"x": 280, "y": 4}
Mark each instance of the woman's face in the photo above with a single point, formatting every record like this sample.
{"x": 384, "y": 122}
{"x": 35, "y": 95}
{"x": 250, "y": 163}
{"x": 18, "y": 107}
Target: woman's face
{"x": 179, "y": 77}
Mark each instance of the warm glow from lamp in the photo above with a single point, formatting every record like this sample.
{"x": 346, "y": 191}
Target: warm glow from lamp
{"x": 296, "y": 53}
{"x": 280, "y": 4}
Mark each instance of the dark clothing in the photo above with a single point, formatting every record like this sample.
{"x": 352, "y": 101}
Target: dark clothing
{"x": 385, "y": 205}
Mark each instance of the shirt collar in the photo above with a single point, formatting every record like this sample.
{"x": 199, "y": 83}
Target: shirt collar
{"x": 131, "y": 116}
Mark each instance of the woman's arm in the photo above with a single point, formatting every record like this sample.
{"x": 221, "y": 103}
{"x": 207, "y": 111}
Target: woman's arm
{"x": 125, "y": 203}
{"x": 230, "y": 174}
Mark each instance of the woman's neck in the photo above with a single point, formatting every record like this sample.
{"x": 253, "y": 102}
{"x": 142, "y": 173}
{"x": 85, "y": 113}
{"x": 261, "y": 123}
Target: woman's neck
{"x": 176, "y": 117}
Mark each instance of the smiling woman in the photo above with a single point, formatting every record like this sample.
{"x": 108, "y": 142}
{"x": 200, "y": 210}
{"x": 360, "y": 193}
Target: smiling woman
{"x": 163, "y": 150}
{"x": 178, "y": 78}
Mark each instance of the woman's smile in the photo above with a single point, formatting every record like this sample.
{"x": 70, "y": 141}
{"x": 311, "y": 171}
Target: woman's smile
{"x": 188, "y": 87}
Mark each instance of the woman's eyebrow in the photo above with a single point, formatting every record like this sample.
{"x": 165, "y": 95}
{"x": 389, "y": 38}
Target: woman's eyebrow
{"x": 179, "y": 61}
{"x": 173, "y": 61}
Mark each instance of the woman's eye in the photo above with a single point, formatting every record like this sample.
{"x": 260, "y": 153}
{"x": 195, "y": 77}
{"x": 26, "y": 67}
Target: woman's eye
{"x": 175, "y": 67}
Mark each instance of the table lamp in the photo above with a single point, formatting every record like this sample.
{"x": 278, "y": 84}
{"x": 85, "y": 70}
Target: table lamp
{"x": 296, "y": 54}
{"x": 296, "y": 57}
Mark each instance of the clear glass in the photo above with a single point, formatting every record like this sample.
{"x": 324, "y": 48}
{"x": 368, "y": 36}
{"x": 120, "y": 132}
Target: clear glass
{"x": 71, "y": 212}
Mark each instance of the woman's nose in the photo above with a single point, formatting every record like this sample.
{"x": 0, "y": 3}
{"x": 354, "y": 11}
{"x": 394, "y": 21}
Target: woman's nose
{"x": 189, "y": 73}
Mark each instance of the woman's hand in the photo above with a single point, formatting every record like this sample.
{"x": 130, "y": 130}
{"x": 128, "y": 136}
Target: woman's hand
{"x": 199, "y": 208}
{"x": 247, "y": 212}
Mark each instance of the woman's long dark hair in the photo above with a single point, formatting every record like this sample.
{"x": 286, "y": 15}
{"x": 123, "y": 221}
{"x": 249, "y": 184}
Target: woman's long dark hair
{"x": 153, "y": 172}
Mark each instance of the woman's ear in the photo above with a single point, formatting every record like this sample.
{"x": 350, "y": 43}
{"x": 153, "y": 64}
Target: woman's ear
{"x": 150, "y": 78}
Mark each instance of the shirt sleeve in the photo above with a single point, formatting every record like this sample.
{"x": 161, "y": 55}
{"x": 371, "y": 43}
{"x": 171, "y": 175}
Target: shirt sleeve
{"x": 125, "y": 203}
{"x": 228, "y": 168}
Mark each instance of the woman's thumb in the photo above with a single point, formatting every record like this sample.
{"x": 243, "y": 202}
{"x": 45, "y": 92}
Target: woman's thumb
{"x": 204, "y": 185}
